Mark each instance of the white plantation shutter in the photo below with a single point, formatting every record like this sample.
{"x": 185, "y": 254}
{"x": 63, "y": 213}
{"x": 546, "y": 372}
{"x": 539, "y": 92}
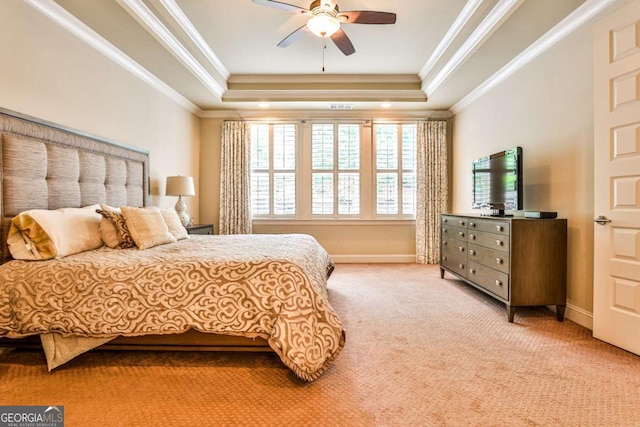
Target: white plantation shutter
{"x": 260, "y": 198}
{"x": 327, "y": 170}
{"x": 335, "y": 168}
{"x": 322, "y": 194}
{"x": 409, "y": 185}
{"x": 395, "y": 160}
{"x": 273, "y": 173}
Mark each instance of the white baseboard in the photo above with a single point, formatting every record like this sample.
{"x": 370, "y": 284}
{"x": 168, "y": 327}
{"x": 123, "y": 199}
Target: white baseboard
{"x": 373, "y": 259}
{"x": 576, "y": 314}
{"x": 579, "y": 315}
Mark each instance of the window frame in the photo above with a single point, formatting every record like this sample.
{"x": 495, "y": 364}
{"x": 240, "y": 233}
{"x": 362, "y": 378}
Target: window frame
{"x": 304, "y": 170}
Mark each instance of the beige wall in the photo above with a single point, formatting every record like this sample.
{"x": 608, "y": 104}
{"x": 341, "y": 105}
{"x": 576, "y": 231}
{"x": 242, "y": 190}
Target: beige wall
{"x": 546, "y": 108}
{"x": 48, "y": 73}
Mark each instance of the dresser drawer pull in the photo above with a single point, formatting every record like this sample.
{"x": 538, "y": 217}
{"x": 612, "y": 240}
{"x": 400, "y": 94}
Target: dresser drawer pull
{"x": 444, "y": 230}
{"x": 462, "y": 223}
{"x": 499, "y": 261}
{"x": 444, "y": 258}
{"x": 499, "y": 242}
{"x": 498, "y": 282}
{"x": 499, "y": 228}
{"x": 472, "y": 271}
{"x": 472, "y": 236}
{"x": 445, "y": 220}
{"x": 444, "y": 243}
{"x": 461, "y": 248}
{"x": 461, "y": 233}
{"x": 472, "y": 252}
{"x": 472, "y": 224}
{"x": 461, "y": 266}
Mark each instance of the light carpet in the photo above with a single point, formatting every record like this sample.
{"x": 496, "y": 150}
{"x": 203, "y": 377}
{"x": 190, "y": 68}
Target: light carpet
{"x": 421, "y": 351}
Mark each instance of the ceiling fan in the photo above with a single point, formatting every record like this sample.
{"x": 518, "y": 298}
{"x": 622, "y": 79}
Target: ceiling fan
{"x": 325, "y": 19}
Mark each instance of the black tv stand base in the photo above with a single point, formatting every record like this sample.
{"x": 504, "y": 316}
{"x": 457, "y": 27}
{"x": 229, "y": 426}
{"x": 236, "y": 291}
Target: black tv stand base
{"x": 497, "y": 213}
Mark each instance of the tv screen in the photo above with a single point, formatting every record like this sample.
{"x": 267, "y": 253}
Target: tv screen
{"x": 497, "y": 181}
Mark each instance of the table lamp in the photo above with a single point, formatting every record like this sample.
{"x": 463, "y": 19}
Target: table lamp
{"x": 181, "y": 186}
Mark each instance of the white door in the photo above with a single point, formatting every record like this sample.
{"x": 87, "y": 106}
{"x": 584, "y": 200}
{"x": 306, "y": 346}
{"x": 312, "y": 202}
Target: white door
{"x": 616, "y": 296}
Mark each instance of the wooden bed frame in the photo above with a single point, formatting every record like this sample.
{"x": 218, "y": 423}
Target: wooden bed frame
{"x": 55, "y": 144}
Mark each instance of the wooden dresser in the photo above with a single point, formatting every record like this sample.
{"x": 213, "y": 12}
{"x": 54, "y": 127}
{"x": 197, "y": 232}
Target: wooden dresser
{"x": 519, "y": 261}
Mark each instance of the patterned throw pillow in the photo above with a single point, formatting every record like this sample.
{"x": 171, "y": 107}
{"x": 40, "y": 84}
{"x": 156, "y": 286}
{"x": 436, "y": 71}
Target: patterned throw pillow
{"x": 147, "y": 227}
{"x": 115, "y": 222}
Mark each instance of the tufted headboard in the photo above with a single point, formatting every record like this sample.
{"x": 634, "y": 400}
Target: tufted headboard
{"x": 47, "y": 166}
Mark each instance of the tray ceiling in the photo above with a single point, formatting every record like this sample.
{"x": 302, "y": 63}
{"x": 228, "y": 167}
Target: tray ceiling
{"x": 220, "y": 55}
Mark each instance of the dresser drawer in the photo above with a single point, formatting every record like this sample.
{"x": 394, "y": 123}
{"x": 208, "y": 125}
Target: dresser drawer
{"x": 455, "y": 221}
{"x": 454, "y": 260}
{"x": 492, "y": 280}
{"x": 498, "y": 242}
{"x": 451, "y": 232}
{"x": 497, "y": 227}
{"x": 489, "y": 257}
{"x": 454, "y": 245}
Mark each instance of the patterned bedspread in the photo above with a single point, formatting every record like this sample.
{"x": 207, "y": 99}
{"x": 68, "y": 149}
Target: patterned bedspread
{"x": 272, "y": 286}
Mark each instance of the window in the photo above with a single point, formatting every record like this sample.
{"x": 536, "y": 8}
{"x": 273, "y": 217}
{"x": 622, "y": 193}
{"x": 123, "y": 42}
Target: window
{"x": 333, "y": 170}
{"x": 273, "y": 169}
{"x": 395, "y": 152}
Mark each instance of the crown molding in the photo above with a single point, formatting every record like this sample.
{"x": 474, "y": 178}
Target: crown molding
{"x": 488, "y": 26}
{"x": 187, "y": 26}
{"x": 156, "y": 28}
{"x": 324, "y": 95}
{"x": 324, "y": 78}
{"x": 287, "y": 114}
{"x": 577, "y": 18}
{"x": 60, "y": 16}
{"x": 463, "y": 18}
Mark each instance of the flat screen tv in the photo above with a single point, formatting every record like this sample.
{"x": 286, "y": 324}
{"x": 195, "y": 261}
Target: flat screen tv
{"x": 497, "y": 182}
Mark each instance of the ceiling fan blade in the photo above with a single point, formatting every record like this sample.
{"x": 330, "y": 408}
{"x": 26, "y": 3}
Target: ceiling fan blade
{"x": 293, "y": 36}
{"x": 368, "y": 17}
{"x": 282, "y": 6}
{"x": 342, "y": 41}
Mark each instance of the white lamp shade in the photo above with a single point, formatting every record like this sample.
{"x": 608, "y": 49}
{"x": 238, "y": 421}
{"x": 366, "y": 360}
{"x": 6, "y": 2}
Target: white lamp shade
{"x": 180, "y": 186}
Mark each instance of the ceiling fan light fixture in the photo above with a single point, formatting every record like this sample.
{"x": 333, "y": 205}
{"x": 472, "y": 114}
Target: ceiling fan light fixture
{"x": 323, "y": 24}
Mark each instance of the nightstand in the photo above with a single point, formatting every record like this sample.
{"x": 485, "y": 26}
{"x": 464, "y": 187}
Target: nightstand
{"x": 200, "y": 229}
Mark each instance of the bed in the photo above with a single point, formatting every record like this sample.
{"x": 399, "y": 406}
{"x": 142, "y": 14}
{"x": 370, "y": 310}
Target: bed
{"x": 238, "y": 293}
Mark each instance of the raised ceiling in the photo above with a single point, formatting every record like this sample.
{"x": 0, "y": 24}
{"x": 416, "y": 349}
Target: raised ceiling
{"x": 214, "y": 55}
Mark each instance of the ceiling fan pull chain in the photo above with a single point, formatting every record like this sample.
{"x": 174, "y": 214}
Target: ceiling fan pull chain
{"x": 324, "y": 47}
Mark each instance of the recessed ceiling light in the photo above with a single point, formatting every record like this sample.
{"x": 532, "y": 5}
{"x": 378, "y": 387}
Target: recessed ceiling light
{"x": 385, "y": 105}
{"x": 263, "y": 105}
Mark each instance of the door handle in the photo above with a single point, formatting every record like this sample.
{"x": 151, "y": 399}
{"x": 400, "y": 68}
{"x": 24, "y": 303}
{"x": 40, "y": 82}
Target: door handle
{"x": 602, "y": 220}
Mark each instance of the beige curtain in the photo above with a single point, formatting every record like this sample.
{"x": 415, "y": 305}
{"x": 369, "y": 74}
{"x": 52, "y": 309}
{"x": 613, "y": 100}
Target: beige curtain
{"x": 235, "y": 178}
{"x": 433, "y": 189}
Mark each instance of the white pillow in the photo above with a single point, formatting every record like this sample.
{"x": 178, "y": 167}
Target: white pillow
{"x": 174, "y": 224}
{"x": 40, "y": 234}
